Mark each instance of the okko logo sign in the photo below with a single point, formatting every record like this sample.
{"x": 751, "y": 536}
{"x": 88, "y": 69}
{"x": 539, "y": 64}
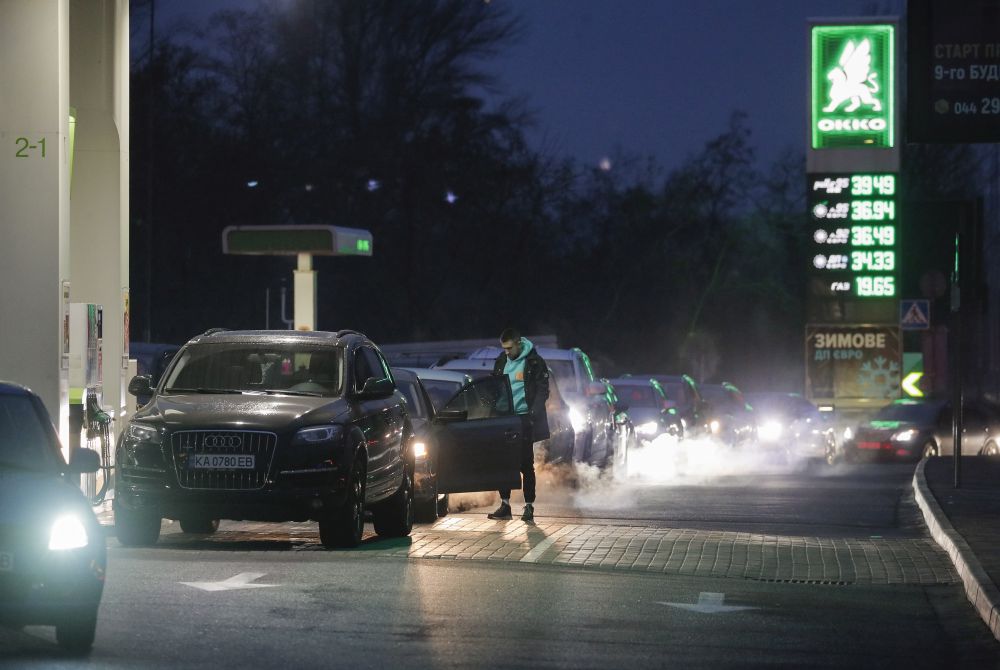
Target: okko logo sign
{"x": 853, "y": 86}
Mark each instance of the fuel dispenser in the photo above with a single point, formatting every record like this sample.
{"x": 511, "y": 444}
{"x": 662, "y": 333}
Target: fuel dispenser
{"x": 89, "y": 424}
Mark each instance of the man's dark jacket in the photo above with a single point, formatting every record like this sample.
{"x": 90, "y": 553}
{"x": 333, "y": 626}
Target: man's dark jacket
{"x": 536, "y": 390}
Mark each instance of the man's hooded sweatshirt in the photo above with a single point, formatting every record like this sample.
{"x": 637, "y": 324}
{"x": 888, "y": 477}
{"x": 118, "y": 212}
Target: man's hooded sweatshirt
{"x": 529, "y": 382}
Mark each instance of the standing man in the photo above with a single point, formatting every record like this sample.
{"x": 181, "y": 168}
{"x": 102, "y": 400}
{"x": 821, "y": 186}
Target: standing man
{"x": 529, "y": 382}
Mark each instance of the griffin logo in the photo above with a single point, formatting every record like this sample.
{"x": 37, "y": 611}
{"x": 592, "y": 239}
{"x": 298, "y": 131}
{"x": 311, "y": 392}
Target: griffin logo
{"x": 853, "y": 80}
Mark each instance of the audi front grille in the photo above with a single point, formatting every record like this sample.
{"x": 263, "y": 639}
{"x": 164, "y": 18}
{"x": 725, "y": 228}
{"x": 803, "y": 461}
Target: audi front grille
{"x": 216, "y": 459}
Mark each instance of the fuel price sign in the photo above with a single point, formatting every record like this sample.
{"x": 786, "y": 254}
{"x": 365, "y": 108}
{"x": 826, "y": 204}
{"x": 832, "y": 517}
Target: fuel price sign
{"x": 854, "y": 220}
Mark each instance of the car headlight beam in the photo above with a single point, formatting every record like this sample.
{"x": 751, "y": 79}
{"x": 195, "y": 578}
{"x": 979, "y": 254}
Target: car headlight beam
{"x": 770, "y": 431}
{"x": 905, "y": 435}
{"x": 68, "y": 532}
{"x": 648, "y": 428}
{"x": 577, "y": 419}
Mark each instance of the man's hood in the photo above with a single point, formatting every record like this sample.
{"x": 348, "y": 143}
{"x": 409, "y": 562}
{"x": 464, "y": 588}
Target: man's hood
{"x": 526, "y": 347}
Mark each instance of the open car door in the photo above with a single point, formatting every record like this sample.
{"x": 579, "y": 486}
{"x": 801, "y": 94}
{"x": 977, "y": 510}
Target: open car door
{"x": 478, "y": 438}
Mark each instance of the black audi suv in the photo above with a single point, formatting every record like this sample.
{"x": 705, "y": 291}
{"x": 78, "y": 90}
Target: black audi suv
{"x": 294, "y": 426}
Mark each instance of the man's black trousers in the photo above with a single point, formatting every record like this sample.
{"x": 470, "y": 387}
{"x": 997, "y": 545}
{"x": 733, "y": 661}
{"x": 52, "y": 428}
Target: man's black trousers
{"x": 527, "y": 463}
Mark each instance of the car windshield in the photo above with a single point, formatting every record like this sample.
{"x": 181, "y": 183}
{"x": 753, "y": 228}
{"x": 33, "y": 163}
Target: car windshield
{"x": 414, "y": 400}
{"x": 440, "y": 391}
{"x": 782, "y": 405}
{"x": 564, "y": 374}
{"x": 294, "y": 368}
{"x": 673, "y": 390}
{"x": 26, "y": 441}
{"x": 908, "y": 412}
{"x": 638, "y": 396}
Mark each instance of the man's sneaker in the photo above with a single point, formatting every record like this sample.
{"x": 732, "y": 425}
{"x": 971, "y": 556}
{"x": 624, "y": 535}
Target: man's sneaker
{"x": 529, "y": 513}
{"x": 502, "y": 512}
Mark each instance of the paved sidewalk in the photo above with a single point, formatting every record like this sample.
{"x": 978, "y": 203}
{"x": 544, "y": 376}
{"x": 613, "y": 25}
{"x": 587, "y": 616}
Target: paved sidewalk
{"x": 966, "y": 523}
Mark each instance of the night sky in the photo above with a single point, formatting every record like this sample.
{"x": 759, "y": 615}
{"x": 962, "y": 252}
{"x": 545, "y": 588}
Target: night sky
{"x": 644, "y": 77}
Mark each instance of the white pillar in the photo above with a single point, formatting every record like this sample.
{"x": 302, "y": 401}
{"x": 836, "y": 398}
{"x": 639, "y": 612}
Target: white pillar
{"x": 305, "y": 294}
{"x": 99, "y": 241}
{"x": 34, "y": 196}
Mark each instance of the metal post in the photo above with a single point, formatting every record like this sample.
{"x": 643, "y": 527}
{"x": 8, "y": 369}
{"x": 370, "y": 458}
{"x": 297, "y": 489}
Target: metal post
{"x": 956, "y": 358}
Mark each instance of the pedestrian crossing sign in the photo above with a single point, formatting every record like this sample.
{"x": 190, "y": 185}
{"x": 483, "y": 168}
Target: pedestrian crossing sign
{"x": 915, "y": 314}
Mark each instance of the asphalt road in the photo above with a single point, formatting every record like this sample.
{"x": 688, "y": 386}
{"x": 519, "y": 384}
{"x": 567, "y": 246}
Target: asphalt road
{"x": 470, "y": 593}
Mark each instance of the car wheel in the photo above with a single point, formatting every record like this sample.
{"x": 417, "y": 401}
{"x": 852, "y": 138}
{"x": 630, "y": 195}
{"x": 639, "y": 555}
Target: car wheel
{"x": 346, "y": 526}
{"x": 426, "y": 511}
{"x": 992, "y": 449}
{"x": 76, "y": 635}
{"x": 199, "y": 525}
{"x": 135, "y": 528}
{"x": 929, "y": 451}
{"x": 442, "y": 505}
{"x": 831, "y": 453}
{"x": 394, "y": 518}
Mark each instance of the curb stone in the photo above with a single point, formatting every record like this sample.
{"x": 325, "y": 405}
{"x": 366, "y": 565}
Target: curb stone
{"x": 979, "y": 588}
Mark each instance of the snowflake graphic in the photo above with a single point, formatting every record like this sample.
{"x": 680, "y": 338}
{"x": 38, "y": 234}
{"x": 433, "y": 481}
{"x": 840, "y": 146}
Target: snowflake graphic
{"x": 879, "y": 378}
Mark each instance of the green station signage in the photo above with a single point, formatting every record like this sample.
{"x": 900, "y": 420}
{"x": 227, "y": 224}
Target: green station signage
{"x": 853, "y": 86}
{"x": 854, "y": 219}
{"x": 316, "y": 240}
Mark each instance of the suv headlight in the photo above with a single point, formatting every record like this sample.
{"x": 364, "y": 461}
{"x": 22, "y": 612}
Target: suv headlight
{"x": 770, "y": 431}
{"x": 141, "y": 433}
{"x": 577, "y": 419}
{"x": 317, "y": 435}
{"x": 904, "y": 435}
{"x": 67, "y": 532}
{"x": 648, "y": 428}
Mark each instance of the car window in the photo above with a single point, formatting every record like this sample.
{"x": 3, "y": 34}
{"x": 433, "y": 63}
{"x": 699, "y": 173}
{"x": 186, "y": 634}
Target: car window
{"x": 564, "y": 373}
{"x": 486, "y": 398}
{"x": 26, "y": 442}
{"x": 638, "y": 396}
{"x": 440, "y": 391}
{"x": 414, "y": 399}
{"x": 365, "y": 367}
{"x": 257, "y": 366}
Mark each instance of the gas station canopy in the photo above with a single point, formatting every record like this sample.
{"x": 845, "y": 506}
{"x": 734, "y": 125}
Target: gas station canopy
{"x": 291, "y": 240}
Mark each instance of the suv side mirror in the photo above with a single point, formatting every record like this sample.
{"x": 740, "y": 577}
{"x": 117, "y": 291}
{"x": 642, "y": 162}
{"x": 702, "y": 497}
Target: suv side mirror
{"x": 141, "y": 385}
{"x": 377, "y": 388}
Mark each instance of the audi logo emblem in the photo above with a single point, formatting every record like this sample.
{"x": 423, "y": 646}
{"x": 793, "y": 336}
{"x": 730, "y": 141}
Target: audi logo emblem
{"x": 222, "y": 441}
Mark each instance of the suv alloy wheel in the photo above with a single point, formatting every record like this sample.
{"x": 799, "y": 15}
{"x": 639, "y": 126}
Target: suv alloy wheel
{"x": 394, "y": 518}
{"x": 345, "y": 527}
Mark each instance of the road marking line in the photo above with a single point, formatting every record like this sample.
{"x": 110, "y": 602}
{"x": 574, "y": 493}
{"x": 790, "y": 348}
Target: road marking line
{"x": 709, "y": 603}
{"x": 240, "y": 581}
{"x": 539, "y": 549}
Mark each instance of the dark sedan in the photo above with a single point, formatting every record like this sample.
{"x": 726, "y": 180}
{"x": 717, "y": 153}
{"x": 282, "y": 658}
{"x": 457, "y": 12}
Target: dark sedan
{"x": 427, "y": 502}
{"x": 790, "y": 423}
{"x": 651, "y": 413}
{"x": 52, "y": 551}
{"x": 914, "y": 429}
{"x": 729, "y": 416}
